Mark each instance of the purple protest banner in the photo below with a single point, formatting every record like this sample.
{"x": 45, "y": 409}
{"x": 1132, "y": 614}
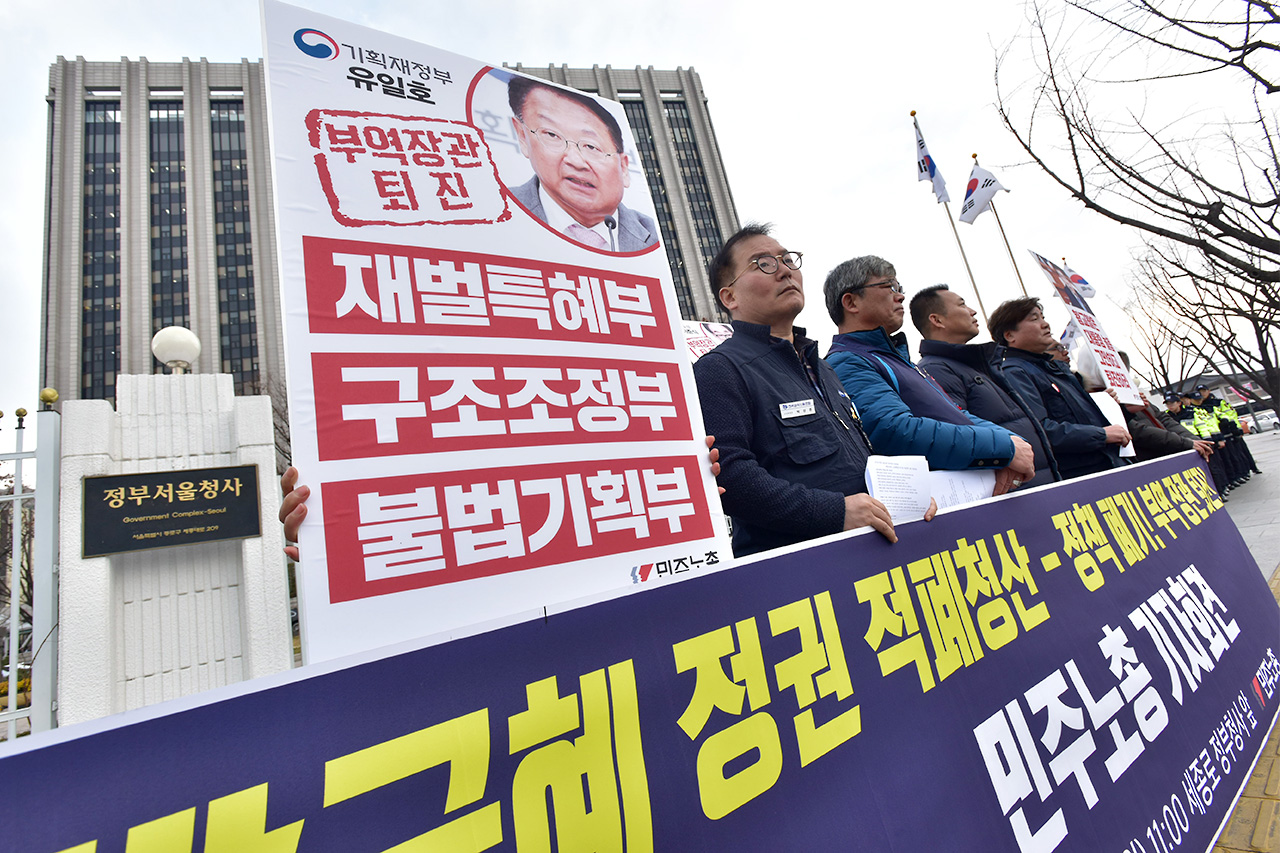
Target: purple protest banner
{"x": 1088, "y": 666}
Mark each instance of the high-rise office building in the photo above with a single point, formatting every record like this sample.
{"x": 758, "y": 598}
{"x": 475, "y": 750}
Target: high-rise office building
{"x": 159, "y": 211}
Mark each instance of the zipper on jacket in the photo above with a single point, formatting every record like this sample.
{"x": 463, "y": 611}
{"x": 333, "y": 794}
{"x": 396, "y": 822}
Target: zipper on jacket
{"x": 815, "y": 383}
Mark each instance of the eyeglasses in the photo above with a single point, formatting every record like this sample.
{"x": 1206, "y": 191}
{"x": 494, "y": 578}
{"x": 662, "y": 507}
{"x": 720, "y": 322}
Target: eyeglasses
{"x": 554, "y": 143}
{"x": 892, "y": 284}
{"x": 769, "y": 264}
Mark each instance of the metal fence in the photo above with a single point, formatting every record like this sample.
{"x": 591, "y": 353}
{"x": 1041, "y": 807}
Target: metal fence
{"x": 29, "y": 602}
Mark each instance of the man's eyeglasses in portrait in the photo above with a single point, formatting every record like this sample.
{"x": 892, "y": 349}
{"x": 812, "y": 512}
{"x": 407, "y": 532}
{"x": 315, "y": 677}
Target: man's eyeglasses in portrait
{"x": 556, "y": 144}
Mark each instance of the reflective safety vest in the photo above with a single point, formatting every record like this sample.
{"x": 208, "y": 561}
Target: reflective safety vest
{"x": 1204, "y": 423}
{"x": 1226, "y": 413}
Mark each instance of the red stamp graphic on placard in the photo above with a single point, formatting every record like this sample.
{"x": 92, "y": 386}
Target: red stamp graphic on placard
{"x": 404, "y": 170}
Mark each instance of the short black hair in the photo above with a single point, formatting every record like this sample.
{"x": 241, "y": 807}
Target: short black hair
{"x": 721, "y": 268}
{"x": 519, "y": 88}
{"x": 924, "y": 303}
{"x": 1007, "y": 317}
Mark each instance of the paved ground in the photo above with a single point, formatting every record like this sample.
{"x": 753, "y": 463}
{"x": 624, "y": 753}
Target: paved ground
{"x": 1255, "y": 823}
{"x": 1255, "y": 506}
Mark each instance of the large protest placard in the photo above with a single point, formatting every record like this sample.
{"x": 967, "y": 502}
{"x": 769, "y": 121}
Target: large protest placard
{"x": 1114, "y": 373}
{"x": 490, "y": 399}
{"x": 1089, "y": 666}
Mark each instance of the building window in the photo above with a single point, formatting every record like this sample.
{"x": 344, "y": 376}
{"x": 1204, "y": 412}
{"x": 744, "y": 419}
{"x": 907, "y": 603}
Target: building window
{"x": 170, "y": 304}
{"x": 100, "y": 271}
{"x": 237, "y": 313}
{"x": 694, "y": 178}
{"x": 638, "y": 118}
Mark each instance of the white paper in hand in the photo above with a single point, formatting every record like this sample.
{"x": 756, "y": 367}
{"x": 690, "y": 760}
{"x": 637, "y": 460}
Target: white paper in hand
{"x": 904, "y": 484}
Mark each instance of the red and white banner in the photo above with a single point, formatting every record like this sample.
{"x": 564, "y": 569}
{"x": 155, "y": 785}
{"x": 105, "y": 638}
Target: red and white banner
{"x": 489, "y": 391}
{"x": 1114, "y": 372}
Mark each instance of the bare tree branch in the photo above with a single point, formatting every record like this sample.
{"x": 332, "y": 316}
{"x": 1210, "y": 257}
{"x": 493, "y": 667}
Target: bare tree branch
{"x": 1203, "y": 188}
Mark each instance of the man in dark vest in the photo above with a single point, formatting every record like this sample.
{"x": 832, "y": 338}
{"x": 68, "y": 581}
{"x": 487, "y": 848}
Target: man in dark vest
{"x": 964, "y": 371}
{"x": 903, "y": 410}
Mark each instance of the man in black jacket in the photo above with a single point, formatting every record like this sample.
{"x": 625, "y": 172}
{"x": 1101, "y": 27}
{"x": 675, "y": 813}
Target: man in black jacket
{"x": 1156, "y": 433}
{"x": 964, "y": 371}
{"x": 1081, "y": 439}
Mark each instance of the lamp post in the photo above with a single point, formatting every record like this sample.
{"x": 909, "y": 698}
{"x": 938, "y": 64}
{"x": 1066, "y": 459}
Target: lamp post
{"x": 177, "y": 348}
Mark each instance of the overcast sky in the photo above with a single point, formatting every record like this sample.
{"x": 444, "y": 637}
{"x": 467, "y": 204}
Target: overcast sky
{"x": 811, "y": 104}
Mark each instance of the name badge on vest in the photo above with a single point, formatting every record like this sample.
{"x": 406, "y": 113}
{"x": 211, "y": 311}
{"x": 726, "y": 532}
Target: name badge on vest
{"x": 796, "y": 409}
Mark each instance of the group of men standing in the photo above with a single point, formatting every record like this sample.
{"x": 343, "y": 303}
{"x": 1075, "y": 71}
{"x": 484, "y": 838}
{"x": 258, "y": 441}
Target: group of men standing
{"x": 794, "y": 431}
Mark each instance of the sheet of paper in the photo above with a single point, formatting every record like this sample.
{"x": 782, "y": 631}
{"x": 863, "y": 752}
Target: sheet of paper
{"x": 904, "y": 484}
{"x": 1114, "y": 414}
{"x": 901, "y": 483}
{"x": 958, "y": 488}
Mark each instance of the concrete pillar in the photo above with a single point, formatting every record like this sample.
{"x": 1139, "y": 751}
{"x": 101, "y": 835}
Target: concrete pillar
{"x": 147, "y": 626}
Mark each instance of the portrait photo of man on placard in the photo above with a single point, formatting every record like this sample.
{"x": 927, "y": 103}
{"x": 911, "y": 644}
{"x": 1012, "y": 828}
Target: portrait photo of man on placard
{"x": 581, "y": 170}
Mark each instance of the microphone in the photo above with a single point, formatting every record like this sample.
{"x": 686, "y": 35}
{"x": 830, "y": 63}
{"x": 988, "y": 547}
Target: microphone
{"x": 612, "y": 225}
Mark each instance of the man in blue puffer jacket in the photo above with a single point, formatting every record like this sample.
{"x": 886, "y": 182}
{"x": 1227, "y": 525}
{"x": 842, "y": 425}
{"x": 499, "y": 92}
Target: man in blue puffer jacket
{"x": 903, "y": 409}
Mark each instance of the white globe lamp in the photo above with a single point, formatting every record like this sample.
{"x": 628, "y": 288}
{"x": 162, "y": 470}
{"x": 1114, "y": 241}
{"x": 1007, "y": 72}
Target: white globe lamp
{"x": 177, "y": 348}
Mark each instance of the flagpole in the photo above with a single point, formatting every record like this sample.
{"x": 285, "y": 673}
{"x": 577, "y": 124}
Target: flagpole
{"x": 965, "y": 258}
{"x": 1005, "y": 237}
{"x": 1008, "y": 249}
{"x": 946, "y": 206}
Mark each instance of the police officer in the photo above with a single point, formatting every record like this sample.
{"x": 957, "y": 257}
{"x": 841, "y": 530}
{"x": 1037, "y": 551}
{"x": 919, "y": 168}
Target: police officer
{"x": 1204, "y": 423}
{"x": 1229, "y": 423}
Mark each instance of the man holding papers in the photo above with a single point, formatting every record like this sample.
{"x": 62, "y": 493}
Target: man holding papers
{"x": 903, "y": 410}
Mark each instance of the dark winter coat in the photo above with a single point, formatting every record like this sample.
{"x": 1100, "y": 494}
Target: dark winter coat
{"x": 964, "y": 371}
{"x": 1075, "y": 425}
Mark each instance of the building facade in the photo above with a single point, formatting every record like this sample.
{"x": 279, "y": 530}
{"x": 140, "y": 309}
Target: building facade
{"x": 159, "y": 211}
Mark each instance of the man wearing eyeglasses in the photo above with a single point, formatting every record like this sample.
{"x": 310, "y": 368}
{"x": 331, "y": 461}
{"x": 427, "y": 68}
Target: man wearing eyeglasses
{"x": 792, "y": 452}
{"x": 580, "y": 170}
{"x": 905, "y": 412}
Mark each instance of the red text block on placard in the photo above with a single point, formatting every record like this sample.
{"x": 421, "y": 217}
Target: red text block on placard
{"x": 389, "y": 404}
{"x": 382, "y": 289}
{"x": 398, "y": 533}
